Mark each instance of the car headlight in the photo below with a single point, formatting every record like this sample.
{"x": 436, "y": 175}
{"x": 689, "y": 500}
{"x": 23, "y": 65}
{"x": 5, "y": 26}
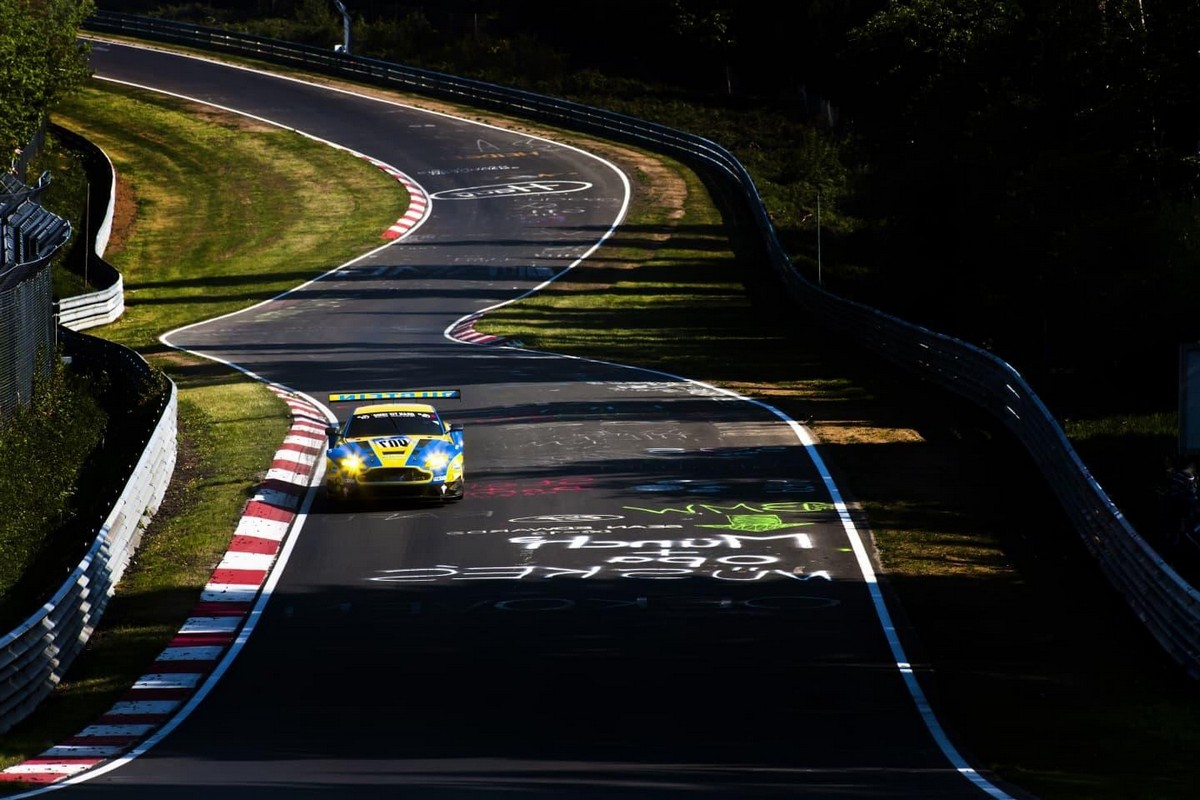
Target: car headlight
{"x": 352, "y": 464}
{"x": 438, "y": 460}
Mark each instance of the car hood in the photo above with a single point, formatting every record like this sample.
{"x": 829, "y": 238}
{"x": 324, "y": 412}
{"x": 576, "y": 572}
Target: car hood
{"x": 398, "y": 450}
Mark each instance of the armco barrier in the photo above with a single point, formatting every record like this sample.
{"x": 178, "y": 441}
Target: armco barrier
{"x": 34, "y": 657}
{"x": 95, "y": 308}
{"x": 1169, "y": 607}
{"x": 108, "y": 303}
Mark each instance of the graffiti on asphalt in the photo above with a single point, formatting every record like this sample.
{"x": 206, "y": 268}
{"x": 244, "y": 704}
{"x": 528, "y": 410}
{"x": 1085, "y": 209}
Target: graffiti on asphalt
{"x": 513, "y": 189}
{"x": 531, "y": 488}
{"x": 742, "y": 542}
{"x": 728, "y": 568}
{"x": 700, "y": 509}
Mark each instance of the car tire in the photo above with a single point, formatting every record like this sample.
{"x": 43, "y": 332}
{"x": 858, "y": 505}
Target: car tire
{"x": 339, "y": 495}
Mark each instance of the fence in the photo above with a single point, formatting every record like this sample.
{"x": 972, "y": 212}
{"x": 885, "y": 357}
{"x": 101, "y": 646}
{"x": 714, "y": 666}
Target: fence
{"x": 21, "y": 159}
{"x": 30, "y": 236}
{"x": 1168, "y": 606}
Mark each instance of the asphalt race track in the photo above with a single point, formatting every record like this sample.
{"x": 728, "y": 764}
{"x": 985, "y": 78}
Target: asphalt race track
{"x": 651, "y": 589}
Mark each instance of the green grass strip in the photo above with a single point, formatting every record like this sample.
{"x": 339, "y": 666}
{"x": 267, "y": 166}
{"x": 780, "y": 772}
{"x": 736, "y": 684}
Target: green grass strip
{"x": 240, "y": 211}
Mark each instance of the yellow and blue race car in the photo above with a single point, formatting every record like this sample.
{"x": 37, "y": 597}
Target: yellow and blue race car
{"x": 395, "y": 447}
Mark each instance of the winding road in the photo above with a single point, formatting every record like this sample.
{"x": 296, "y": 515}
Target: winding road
{"x": 651, "y": 590}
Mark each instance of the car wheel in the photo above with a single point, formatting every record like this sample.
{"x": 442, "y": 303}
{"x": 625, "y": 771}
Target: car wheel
{"x": 339, "y": 494}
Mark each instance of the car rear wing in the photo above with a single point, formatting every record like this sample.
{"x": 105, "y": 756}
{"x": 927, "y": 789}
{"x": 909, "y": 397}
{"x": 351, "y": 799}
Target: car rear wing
{"x": 406, "y": 394}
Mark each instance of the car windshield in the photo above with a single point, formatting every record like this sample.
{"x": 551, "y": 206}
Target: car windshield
{"x": 394, "y": 423}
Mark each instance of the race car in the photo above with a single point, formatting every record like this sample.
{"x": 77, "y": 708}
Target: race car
{"x": 395, "y": 447}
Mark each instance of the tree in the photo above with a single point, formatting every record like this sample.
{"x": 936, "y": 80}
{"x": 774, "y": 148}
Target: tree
{"x": 41, "y": 61}
{"x": 709, "y": 27}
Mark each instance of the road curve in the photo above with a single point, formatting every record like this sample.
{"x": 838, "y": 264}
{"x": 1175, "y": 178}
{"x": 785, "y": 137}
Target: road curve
{"x": 651, "y": 590}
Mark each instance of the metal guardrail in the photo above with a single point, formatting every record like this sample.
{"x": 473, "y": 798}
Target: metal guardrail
{"x": 107, "y": 304}
{"x": 35, "y": 656}
{"x": 1169, "y": 607}
{"x": 95, "y": 308}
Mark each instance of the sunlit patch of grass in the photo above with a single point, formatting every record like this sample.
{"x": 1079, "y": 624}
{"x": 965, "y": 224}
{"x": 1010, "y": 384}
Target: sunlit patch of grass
{"x": 1081, "y": 430}
{"x": 227, "y": 215}
{"x": 926, "y": 539}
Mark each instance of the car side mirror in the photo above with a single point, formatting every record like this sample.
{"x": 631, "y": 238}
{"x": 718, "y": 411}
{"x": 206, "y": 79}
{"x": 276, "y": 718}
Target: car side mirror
{"x": 333, "y": 433}
{"x": 456, "y": 426}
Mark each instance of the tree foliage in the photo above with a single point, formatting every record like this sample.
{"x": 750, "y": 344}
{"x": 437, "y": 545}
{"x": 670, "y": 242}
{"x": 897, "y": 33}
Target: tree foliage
{"x": 41, "y": 60}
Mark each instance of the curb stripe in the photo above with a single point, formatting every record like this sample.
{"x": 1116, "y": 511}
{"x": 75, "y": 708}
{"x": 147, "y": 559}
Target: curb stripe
{"x": 261, "y": 510}
{"x": 418, "y": 202}
{"x": 262, "y": 528}
{"x": 99, "y": 741}
{"x": 465, "y": 331}
{"x": 280, "y": 493}
{"x": 115, "y": 730}
{"x": 189, "y": 654}
{"x": 218, "y": 592}
{"x": 290, "y": 448}
{"x": 246, "y": 577}
{"x": 254, "y": 544}
{"x": 194, "y": 639}
{"x": 240, "y": 559}
{"x": 113, "y": 718}
{"x": 163, "y": 666}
